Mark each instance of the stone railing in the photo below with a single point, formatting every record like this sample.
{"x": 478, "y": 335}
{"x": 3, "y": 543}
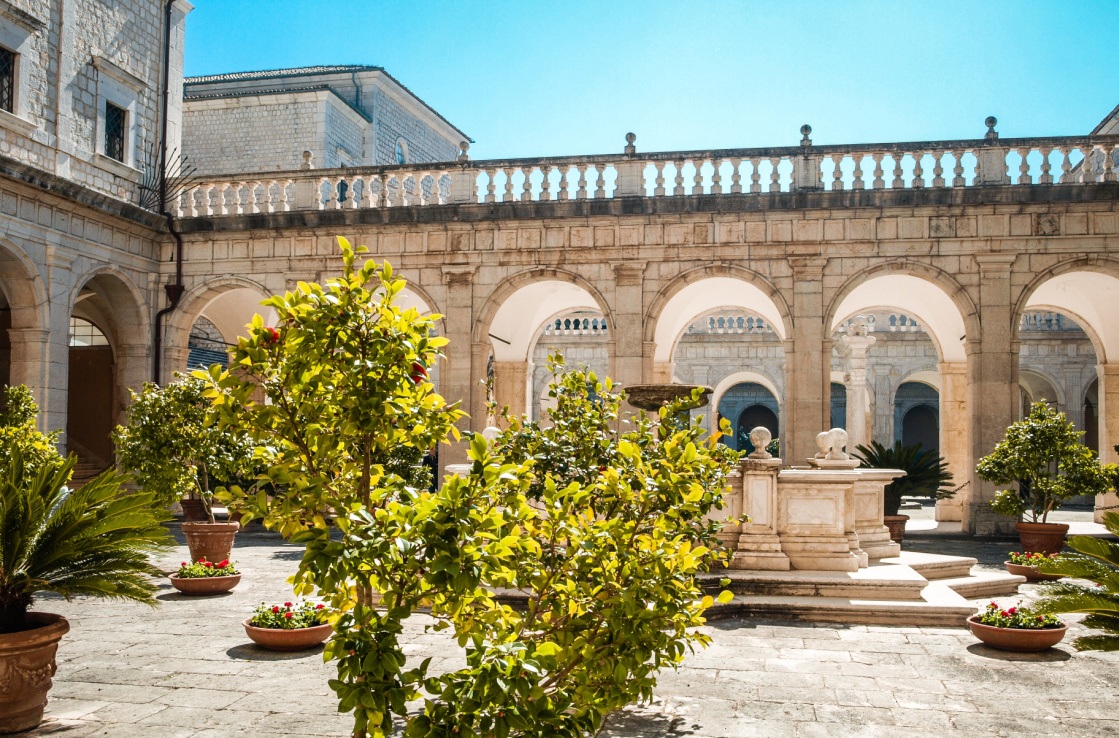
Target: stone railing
{"x": 887, "y": 322}
{"x": 1046, "y": 322}
{"x": 747, "y": 172}
{"x": 733, "y": 323}
{"x": 576, "y": 327}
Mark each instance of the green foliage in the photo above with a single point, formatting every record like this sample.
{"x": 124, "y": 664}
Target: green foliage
{"x": 173, "y": 447}
{"x": 1023, "y": 618}
{"x": 17, "y": 431}
{"x": 605, "y": 557}
{"x": 1031, "y": 558}
{"x": 92, "y": 541}
{"x": 1043, "y": 453}
{"x": 289, "y": 616}
{"x": 926, "y": 472}
{"x": 1095, "y": 560}
{"x": 203, "y": 569}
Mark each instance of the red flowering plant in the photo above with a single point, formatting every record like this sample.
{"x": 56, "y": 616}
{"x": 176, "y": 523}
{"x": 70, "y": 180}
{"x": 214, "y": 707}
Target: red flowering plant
{"x": 1017, "y": 617}
{"x": 1030, "y": 558}
{"x": 203, "y": 568}
{"x": 289, "y": 616}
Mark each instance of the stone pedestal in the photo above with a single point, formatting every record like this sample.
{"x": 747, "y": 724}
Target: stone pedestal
{"x": 813, "y": 520}
{"x": 874, "y": 537}
{"x": 758, "y": 546}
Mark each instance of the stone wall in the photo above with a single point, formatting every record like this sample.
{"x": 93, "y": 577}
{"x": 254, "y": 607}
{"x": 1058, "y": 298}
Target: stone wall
{"x": 393, "y": 121}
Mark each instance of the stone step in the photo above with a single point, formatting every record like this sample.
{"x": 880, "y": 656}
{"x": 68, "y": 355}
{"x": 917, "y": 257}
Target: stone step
{"x": 934, "y": 566}
{"x": 983, "y": 584}
{"x": 876, "y": 582}
{"x": 940, "y": 606}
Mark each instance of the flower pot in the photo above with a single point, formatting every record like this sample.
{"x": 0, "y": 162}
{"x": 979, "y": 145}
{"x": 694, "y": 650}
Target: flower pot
{"x": 296, "y": 639}
{"x": 896, "y": 524}
{"x": 1042, "y": 537}
{"x": 1031, "y": 573}
{"x": 202, "y": 586}
{"x": 1016, "y": 639}
{"x": 193, "y": 510}
{"x": 210, "y": 541}
{"x": 26, "y": 667}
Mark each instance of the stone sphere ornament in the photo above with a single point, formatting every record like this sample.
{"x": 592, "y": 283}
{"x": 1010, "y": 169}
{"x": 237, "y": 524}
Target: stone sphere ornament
{"x": 760, "y": 438}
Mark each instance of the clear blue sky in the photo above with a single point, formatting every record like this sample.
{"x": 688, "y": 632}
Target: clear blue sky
{"x": 572, "y": 77}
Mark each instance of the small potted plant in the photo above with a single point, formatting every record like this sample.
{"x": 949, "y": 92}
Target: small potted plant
{"x": 1026, "y": 565}
{"x": 1044, "y": 456}
{"x": 288, "y": 627}
{"x": 205, "y": 578}
{"x": 926, "y": 473}
{"x": 175, "y": 451}
{"x": 1016, "y": 628}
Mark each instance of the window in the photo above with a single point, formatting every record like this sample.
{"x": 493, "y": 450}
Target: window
{"x": 401, "y": 151}
{"x": 114, "y": 131}
{"x": 7, "y": 80}
{"x": 84, "y": 333}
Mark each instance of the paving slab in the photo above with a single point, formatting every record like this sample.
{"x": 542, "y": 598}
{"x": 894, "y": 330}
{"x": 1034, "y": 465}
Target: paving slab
{"x": 186, "y": 670}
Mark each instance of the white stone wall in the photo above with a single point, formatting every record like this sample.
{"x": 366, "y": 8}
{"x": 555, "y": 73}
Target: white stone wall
{"x": 345, "y": 136}
{"x": 393, "y": 121}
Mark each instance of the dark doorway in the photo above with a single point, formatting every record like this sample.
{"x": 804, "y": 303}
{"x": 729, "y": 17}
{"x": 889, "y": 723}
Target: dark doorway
{"x": 921, "y": 425}
{"x": 751, "y": 418}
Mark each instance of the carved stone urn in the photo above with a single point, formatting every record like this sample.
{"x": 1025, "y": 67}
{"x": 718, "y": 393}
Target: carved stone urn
{"x": 26, "y": 667}
{"x": 652, "y": 397}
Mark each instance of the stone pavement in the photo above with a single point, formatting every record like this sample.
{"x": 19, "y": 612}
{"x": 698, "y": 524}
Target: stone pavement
{"x": 187, "y": 669}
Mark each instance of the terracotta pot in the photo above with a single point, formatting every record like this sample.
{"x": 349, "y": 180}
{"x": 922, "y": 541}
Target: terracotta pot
{"x": 1031, "y": 573}
{"x": 193, "y": 510}
{"x": 201, "y": 586}
{"x": 211, "y": 541}
{"x": 26, "y": 667}
{"x": 1042, "y": 537}
{"x": 297, "y": 639}
{"x": 1016, "y": 639}
{"x": 896, "y": 524}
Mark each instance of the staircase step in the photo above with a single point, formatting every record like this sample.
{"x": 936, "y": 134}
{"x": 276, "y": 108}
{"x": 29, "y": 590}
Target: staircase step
{"x": 876, "y": 582}
{"x": 983, "y": 584}
{"x": 934, "y": 566}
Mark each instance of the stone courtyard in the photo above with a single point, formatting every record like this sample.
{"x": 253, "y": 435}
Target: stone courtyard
{"x": 187, "y": 669}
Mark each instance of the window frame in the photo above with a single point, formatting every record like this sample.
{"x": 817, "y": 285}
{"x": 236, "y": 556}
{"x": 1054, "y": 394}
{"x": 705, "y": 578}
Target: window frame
{"x": 18, "y": 29}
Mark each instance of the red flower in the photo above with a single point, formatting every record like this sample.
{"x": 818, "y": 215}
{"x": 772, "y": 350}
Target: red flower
{"x": 1005, "y": 614}
{"x": 419, "y": 373}
{"x": 1040, "y": 618}
{"x": 223, "y": 563}
{"x": 289, "y": 615}
{"x": 184, "y": 563}
{"x": 1012, "y": 610}
{"x": 319, "y": 606}
{"x": 275, "y": 608}
{"x": 287, "y": 604}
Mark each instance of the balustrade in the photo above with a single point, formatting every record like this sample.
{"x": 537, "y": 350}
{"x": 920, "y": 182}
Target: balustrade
{"x": 899, "y": 166}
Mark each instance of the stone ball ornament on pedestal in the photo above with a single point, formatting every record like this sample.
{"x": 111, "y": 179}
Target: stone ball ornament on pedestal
{"x": 760, "y": 438}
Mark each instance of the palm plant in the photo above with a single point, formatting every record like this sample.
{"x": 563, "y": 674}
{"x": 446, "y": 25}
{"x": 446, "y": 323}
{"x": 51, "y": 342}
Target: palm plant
{"x": 1095, "y": 560}
{"x": 926, "y": 472}
{"x": 95, "y": 540}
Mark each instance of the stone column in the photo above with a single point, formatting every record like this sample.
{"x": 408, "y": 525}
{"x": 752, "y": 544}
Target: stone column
{"x": 133, "y": 367}
{"x": 628, "y": 309}
{"x": 457, "y": 374}
{"x": 853, "y": 349}
{"x": 510, "y": 385}
{"x": 807, "y": 364}
{"x": 30, "y": 362}
{"x": 954, "y": 446}
{"x": 1109, "y": 431}
{"x": 992, "y": 388}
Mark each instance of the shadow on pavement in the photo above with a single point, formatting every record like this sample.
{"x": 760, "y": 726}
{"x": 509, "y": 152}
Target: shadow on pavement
{"x": 253, "y": 652}
{"x": 1049, "y": 655}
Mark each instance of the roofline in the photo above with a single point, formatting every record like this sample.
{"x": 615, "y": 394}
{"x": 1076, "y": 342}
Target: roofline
{"x": 420, "y": 100}
{"x": 291, "y": 90}
{"x": 1106, "y": 119}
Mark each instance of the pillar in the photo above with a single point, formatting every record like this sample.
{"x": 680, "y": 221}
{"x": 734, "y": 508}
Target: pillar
{"x": 992, "y": 388}
{"x": 954, "y": 445}
{"x": 853, "y": 350}
{"x": 457, "y": 377}
{"x": 628, "y": 316}
{"x": 510, "y": 385}
{"x": 1109, "y": 431}
{"x": 808, "y": 364}
{"x": 29, "y": 361}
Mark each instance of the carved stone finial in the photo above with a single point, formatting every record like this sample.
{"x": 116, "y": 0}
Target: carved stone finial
{"x": 463, "y": 146}
{"x": 630, "y": 149}
{"x": 822, "y": 444}
{"x": 992, "y": 134}
{"x": 490, "y": 432}
{"x": 836, "y": 440}
{"x": 308, "y": 160}
{"x": 804, "y": 131}
{"x": 760, "y": 437}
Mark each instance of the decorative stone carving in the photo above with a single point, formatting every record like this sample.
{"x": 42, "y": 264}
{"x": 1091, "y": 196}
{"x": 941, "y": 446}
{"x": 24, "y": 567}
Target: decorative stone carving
{"x": 760, "y": 437}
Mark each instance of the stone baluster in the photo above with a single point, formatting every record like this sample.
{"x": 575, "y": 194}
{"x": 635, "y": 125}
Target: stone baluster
{"x": 1087, "y": 165}
{"x": 938, "y": 169}
{"x": 659, "y": 190}
{"x": 898, "y": 182}
{"x": 1066, "y": 164}
{"x": 335, "y": 201}
{"x": 1109, "y": 163}
{"x": 775, "y": 175}
{"x": 1024, "y": 177}
{"x": 382, "y": 197}
{"x": 958, "y": 170}
{"x": 697, "y": 179}
{"x": 192, "y": 200}
{"x": 1046, "y": 168}
{"x": 526, "y": 186}
{"x": 716, "y": 177}
{"x": 879, "y": 183}
{"x": 837, "y": 173}
{"x": 562, "y": 193}
{"x": 735, "y": 176}
{"x": 508, "y": 196}
{"x": 491, "y": 185}
{"x": 857, "y": 181}
{"x": 755, "y": 174}
{"x": 581, "y": 187}
{"x": 394, "y": 190}
{"x": 600, "y": 185}
{"x": 918, "y": 170}
{"x": 545, "y": 184}
{"x": 222, "y": 189}
{"x": 285, "y": 200}
{"x": 679, "y": 188}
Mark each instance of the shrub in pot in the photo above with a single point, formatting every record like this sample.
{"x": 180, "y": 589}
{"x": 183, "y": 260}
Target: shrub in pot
{"x": 1016, "y": 628}
{"x": 92, "y": 541}
{"x": 174, "y": 450}
{"x": 204, "y": 577}
{"x": 926, "y": 474}
{"x": 1043, "y": 454}
{"x": 337, "y": 376}
{"x": 289, "y": 627}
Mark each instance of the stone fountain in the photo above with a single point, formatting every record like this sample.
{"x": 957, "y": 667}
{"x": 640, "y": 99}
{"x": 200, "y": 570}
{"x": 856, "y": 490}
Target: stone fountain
{"x": 652, "y": 397}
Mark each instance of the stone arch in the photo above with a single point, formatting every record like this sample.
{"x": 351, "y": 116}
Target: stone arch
{"x": 195, "y": 304}
{"x": 1085, "y": 289}
{"x": 744, "y": 377}
{"x": 922, "y": 376}
{"x": 23, "y": 288}
{"x": 120, "y": 306}
{"x": 1040, "y": 385}
{"x": 943, "y": 306}
{"x": 708, "y": 288}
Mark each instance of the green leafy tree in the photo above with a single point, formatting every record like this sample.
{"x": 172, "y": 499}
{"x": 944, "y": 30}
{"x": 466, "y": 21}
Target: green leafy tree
{"x": 609, "y": 596}
{"x": 93, "y": 541}
{"x": 18, "y": 432}
{"x": 1095, "y": 560}
{"x": 926, "y": 472}
{"x": 1044, "y": 455}
{"x": 174, "y": 448}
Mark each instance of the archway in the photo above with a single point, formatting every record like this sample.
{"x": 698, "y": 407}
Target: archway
{"x": 23, "y": 323}
{"x": 747, "y": 405}
{"x": 583, "y": 338}
{"x": 917, "y": 415}
{"x": 209, "y": 320}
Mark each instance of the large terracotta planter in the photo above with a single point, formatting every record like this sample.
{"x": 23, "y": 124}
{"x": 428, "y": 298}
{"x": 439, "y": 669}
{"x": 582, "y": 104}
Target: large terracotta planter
{"x": 1016, "y": 639}
{"x": 26, "y": 667}
{"x": 1031, "y": 573}
{"x": 296, "y": 639}
{"x": 202, "y": 586}
{"x": 210, "y": 541}
{"x": 1042, "y": 537}
{"x": 194, "y": 511}
{"x": 896, "y": 524}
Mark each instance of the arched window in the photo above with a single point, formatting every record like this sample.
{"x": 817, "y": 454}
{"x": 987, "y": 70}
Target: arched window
{"x": 84, "y": 333}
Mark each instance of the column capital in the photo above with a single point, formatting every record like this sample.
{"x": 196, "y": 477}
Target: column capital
{"x": 995, "y": 262}
{"x": 458, "y": 274}
{"x": 629, "y": 273}
{"x": 811, "y": 267}
{"x": 854, "y": 346}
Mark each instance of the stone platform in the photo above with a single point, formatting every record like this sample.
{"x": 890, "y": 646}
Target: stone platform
{"x": 910, "y": 589}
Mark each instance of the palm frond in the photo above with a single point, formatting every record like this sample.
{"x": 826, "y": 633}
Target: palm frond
{"x": 1098, "y": 548}
{"x": 1080, "y": 566}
